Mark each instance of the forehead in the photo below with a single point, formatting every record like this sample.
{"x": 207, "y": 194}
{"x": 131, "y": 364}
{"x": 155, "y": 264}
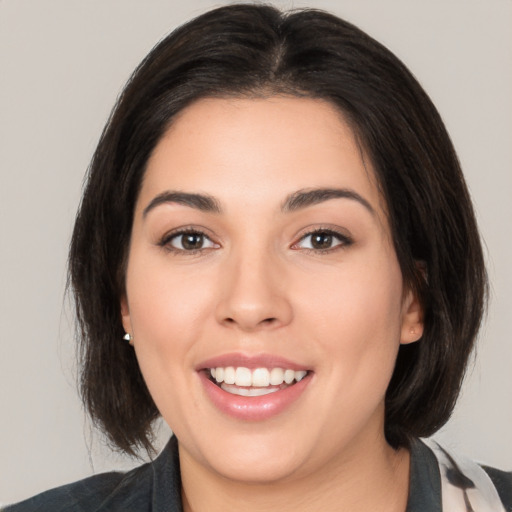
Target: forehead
{"x": 258, "y": 151}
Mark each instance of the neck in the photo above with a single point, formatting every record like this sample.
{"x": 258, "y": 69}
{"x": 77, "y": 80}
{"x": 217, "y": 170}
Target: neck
{"x": 376, "y": 478}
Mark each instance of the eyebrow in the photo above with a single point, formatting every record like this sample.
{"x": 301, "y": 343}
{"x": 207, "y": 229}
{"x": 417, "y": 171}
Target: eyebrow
{"x": 202, "y": 202}
{"x": 296, "y": 201}
{"x": 309, "y": 197}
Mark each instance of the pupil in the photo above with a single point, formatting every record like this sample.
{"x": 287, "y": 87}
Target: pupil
{"x": 192, "y": 241}
{"x": 321, "y": 241}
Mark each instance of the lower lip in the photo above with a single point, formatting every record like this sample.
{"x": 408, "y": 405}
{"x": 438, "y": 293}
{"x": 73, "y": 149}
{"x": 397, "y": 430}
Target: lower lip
{"x": 255, "y": 408}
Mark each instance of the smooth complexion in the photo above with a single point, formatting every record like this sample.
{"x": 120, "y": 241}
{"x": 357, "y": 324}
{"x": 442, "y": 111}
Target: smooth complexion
{"x": 266, "y": 270}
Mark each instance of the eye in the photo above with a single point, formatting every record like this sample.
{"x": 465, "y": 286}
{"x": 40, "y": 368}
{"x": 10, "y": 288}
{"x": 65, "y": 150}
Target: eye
{"x": 322, "y": 240}
{"x": 188, "y": 241}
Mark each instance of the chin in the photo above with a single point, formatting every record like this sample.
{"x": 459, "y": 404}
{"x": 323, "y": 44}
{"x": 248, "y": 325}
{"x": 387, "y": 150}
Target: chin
{"x": 259, "y": 471}
{"x": 254, "y": 458}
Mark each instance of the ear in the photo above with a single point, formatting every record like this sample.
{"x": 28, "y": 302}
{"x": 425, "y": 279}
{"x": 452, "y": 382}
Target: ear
{"x": 125, "y": 317}
{"x": 412, "y": 319}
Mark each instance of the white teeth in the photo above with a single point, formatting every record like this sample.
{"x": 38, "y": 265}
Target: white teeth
{"x": 276, "y": 376}
{"x": 260, "y": 377}
{"x": 243, "y": 376}
{"x": 300, "y": 375}
{"x": 289, "y": 375}
{"x": 229, "y": 375}
{"x": 257, "y": 378}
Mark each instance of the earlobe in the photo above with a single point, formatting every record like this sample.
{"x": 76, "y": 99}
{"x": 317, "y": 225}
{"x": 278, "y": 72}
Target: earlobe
{"x": 412, "y": 319}
{"x": 126, "y": 320}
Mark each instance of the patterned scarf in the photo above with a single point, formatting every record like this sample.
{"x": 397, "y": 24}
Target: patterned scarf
{"x": 465, "y": 486}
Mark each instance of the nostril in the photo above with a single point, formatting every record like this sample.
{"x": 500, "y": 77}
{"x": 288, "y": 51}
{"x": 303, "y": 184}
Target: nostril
{"x": 265, "y": 322}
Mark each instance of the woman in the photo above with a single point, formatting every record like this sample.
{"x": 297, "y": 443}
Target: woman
{"x": 276, "y": 224}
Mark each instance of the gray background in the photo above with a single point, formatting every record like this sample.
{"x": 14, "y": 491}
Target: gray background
{"x": 62, "y": 64}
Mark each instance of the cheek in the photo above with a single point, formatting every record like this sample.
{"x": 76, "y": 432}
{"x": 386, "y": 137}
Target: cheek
{"x": 354, "y": 315}
{"x": 167, "y": 306}
{"x": 168, "y": 311}
{"x": 362, "y": 298}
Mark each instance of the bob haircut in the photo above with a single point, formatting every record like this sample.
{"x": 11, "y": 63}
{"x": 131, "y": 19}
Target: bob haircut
{"x": 245, "y": 51}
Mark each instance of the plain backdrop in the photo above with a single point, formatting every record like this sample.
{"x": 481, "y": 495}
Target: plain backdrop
{"x": 62, "y": 64}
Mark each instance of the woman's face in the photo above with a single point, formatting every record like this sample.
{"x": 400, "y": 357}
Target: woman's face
{"x": 261, "y": 248}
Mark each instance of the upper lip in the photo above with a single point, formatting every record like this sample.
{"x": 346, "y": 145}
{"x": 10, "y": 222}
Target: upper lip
{"x": 251, "y": 361}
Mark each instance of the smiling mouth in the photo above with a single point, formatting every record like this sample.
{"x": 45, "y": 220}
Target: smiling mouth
{"x": 257, "y": 382}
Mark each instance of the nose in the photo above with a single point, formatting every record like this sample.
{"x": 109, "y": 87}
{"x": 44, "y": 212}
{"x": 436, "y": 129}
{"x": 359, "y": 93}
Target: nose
{"x": 253, "y": 294}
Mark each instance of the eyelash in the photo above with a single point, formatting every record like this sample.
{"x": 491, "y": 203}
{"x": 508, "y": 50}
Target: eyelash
{"x": 166, "y": 240}
{"x": 344, "y": 240}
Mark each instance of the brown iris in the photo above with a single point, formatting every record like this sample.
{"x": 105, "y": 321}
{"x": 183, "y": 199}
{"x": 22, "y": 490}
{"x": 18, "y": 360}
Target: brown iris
{"x": 321, "y": 241}
{"x": 191, "y": 241}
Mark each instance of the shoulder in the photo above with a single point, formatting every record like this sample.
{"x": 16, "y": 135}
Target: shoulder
{"x": 87, "y": 495}
{"x": 502, "y": 480}
{"x": 464, "y": 480}
{"x": 154, "y": 486}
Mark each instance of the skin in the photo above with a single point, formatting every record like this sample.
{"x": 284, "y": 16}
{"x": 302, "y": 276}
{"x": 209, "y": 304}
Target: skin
{"x": 257, "y": 287}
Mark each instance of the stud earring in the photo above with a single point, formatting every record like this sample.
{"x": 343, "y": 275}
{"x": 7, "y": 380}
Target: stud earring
{"x": 128, "y": 337}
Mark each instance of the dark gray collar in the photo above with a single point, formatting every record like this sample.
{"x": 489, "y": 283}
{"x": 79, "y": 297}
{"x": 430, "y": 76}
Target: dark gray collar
{"x": 424, "y": 480}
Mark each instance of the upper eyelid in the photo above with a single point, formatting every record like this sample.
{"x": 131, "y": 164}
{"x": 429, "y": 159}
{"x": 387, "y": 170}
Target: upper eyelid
{"x": 324, "y": 229}
{"x": 176, "y": 234}
{"x": 168, "y": 235}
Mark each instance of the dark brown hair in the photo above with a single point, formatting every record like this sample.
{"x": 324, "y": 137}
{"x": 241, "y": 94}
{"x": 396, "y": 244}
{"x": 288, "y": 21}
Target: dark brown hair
{"x": 256, "y": 50}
